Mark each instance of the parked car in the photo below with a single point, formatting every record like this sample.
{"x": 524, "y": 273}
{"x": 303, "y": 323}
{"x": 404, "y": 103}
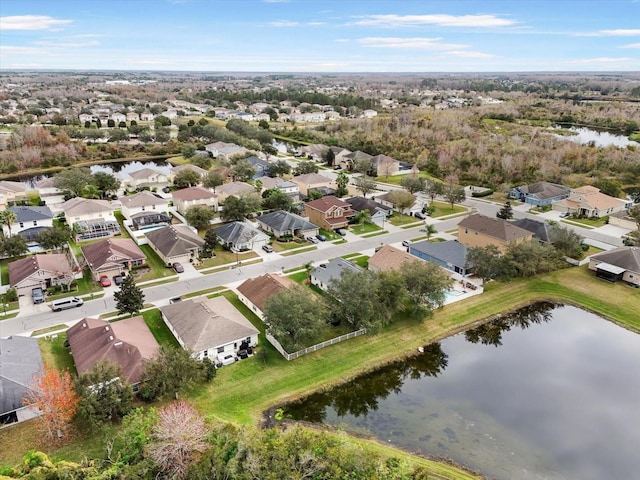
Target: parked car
{"x": 337, "y": 167}
{"x": 267, "y": 248}
{"x": 227, "y": 359}
{"x": 406, "y": 243}
{"x": 313, "y": 240}
{"x": 118, "y": 279}
{"x": 564, "y": 214}
{"x": 420, "y": 215}
{"x": 322, "y": 238}
{"x": 175, "y": 299}
{"x": 38, "y": 295}
{"x": 178, "y": 267}
{"x": 65, "y": 303}
{"x": 341, "y": 231}
{"x": 104, "y": 281}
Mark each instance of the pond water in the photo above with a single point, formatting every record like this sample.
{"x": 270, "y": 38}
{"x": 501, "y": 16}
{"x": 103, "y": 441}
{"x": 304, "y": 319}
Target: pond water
{"x": 548, "y": 393}
{"x": 584, "y": 136}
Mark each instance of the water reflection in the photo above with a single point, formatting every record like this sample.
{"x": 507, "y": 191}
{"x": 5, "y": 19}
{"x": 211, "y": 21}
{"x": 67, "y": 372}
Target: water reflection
{"x": 586, "y": 136}
{"x": 363, "y": 394}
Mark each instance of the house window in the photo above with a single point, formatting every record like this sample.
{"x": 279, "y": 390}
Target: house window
{"x": 35, "y": 222}
{"x": 206, "y": 353}
{"x": 21, "y": 224}
{"x": 235, "y": 345}
{"x": 220, "y": 349}
{"x": 466, "y": 230}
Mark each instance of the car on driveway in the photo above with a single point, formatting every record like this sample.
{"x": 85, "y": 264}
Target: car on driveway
{"x": 564, "y": 215}
{"x": 104, "y": 281}
{"x": 341, "y": 231}
{"x": 267, "y": 248}
{"x": 322, "y": 238}
{"x": 178, "y": 267}
{"x": 406, "y": 243}
{"x": 420, "y": 215}
{"x": 118, "y": 279}
{"x": 38, "y": 295}
{"x": 313, "y": 240}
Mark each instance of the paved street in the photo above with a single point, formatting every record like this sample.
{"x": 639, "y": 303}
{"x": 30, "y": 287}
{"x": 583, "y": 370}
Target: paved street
{"x": 31, "y": 319}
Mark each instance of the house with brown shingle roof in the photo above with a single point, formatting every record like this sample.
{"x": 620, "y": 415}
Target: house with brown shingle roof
{"x": 479, "y": 231}
{"x": 112, "y": 256}
{"x": 236, "y": 189}
{"x": 41, "y": 271}
{"x": 622, "y": 263}
{"x": 312, "y": 181}
{"x": 589, "y": 201}
{"x": 127, "y": 343}
{"x": 389, "y": 259}
{"x": 209, "y": 327}
{"x": 255, "y": 292}
{"x": 189, "y": 197}
{"x": 329, "y": 212}
{"x": 143, "y": 201}
{"x": 175, "y": 243}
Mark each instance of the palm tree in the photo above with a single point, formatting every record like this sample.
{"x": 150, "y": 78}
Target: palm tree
{"x": 7, "y": 218}
{"x": 430, "y": 230}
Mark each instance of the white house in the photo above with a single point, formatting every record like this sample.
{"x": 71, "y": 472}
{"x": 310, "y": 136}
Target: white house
{"x": 143, "y": 201}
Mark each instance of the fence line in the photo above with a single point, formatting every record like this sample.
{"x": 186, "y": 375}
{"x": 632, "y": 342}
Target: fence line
{"x": 313, "y": 348}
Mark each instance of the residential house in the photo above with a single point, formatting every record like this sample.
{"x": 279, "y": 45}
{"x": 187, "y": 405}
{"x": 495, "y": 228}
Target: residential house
{"x": 46, "y": 187}
{"x": 189, "y": 197}
{"x": 541, "y": 230}
{"x": 589, "y": 201}
{"x": 255, "y": 292}
{"x": 241, "y": 236}
{"x": 236, "y": 189}
{"x": 12, "y": 191}
{"x": 21, "y": 361}
{"x": 622, "y": 263}
{"x": 388, "y": 259}
{"x": 383, "y": 165}
{"x": 340, "y": 157}
{"x": 387, "y": 200}
{"x": 261, "y": 167}
{"x": 325, "y": 273}
{"x": 356, "y": 158}
{"x": 378, "y": 213}
{"x": 209, "y": 328}
{"x": 90, "y": 218}
{"x": 285, "y": 186}
{"x": 126, "y": 343}
{"x": 181, "y": 168}
{"x": 312, "y": 181}
{"x": 540, "y": 194}
{"x": 479, "y": 231}
{"x": 113, "y": 256}
{"x": 41, "y": 271}
{"x": 175, "y": 243}
{"x": 30, "y": 221}
{"x": 146, "y": 177}
{"x": 143, "y": 201}
{"x": 369, "y": 113}
{"x": 314, "y": 152}
{"x": 283, "y": 224}
{"x": 451, "y": 255}
{"x": 225, "y": 150}
{"x": 329, "y": 212}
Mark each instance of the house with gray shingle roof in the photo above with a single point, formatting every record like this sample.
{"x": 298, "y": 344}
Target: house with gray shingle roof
{"x": 175, "y": 243}
{"x": 190, "y": 197}
{"x": 41, "y": 271}
{"x": 28, "y": 218}
{"x": 286, "y": 224}
{"x": 325, "y": 273}
{"x": 241, "y": 236}
{"x": 479, "y": 231}
{"x": 209, "y": 327}
{"x": 143, "y": 201}
{"x": 541, "y": 230}
{"x": 377, "y": 212}
{"x": 112, "y": 256}
{"x": 21, "y": 360}
{"x": 146, "y": 177}
{"x": 540, "y": 193}
{"x": 451, "y": 255}
{"x": 622, "y": 263}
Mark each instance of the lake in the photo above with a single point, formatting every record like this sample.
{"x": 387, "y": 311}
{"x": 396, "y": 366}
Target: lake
{"x": 551, "y": 393}
{"x": 585, "y": 135}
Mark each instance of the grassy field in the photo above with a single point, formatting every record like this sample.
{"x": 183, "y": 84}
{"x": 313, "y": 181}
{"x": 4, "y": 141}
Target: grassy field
{"x": 233, "y": 395}
{"x": 56, "y": 355}
{"x": 443, "y": 209}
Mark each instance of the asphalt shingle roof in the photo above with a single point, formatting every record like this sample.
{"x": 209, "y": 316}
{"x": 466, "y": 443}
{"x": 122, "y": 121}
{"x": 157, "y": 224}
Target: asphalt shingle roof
{"x": 174, "y": 240}
{"x": 31, "y": 214}
{"x": 20, "y": 359}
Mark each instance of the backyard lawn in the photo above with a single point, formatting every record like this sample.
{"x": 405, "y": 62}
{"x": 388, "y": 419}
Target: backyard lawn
{"x": 56, "y": 355}
{"x": 153, "y": 319}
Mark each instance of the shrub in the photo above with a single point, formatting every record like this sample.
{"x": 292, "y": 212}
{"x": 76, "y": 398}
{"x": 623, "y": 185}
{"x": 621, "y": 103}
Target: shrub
{"x": 484, "y": 193}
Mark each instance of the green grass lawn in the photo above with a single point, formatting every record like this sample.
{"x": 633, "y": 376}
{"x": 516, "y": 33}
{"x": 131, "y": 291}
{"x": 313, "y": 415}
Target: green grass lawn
{"x": 279, "y": 246}
{"x": 162, "y": 334}
{"x": 366, "y": 227}
{"x": 56, "y": 355}
{"x": 224, "y": 257}
{"x": 362, "y": 261}
{"x": 300, "y": 250}
{"x": 589, "y": 222}
{"x": 443, "y": 209}
{"x": 403, "y": 220}
{"x": 396, "y": 179}
{"x": 155, "y": 267}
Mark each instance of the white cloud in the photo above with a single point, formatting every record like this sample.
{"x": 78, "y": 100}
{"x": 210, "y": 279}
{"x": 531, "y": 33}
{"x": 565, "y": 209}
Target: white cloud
{"x": 467, "y": 54}
{"x": 631, "y": 45}
{"x": 440, "y": 19}
{"x": 417, "y": 42}
{"x": 601, "y": 60}
{"x": 284, "y": 23}
{"x": 30, "y": 22}
{"x": 342, "y": 40}
{"x": 612, "y": 33}
{"x": 13, "y": 50}
{"x": 92, "y": 43}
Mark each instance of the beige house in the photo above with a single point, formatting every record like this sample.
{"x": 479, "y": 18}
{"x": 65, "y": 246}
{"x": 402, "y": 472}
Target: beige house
{"x": 80, "y": 209}
{"x": 41, "y": 271}
{"x": 622, "y": 263}
{"x": 480, "y": 231}
{"x": 12, "y": 191}
{"x": 236, "y": 189}
{"x": 311, "y": 181}
{"x": 175, "y": 243}
{"x": 192, "y": 196}
{"x": 388, "y": 259}
{"x": 589, "y": 201}
{"x": 181, "y": 168}
{"x": 143, "y": 201}
{"x": 112, "y": 256}
{"x": 329, "y": 212}
{"x": 384, "y": 165}
{"x": 255, "y": 292}
{"x": 146, "y": 177}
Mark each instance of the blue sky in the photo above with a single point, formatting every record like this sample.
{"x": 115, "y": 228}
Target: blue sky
{"x": 321, "y": 36}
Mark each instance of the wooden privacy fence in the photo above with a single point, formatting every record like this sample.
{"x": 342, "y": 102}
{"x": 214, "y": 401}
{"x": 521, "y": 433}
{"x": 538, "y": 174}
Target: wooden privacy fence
{"x": 313, "y": 348}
